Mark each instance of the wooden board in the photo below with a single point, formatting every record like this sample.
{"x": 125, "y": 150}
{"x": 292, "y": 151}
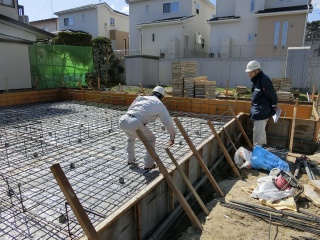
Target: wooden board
{"x": 311, "y": 195}
{"x": 315, "y": 184}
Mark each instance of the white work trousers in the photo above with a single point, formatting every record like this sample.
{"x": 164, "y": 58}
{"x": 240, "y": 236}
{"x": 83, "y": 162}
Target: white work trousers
{"x": 259, "y": 132}
{"x": 129, "y": 125}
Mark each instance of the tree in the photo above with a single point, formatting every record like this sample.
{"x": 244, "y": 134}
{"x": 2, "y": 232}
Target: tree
{"x": 313, "y": 30}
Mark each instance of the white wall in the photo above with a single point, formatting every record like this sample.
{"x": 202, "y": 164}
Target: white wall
{"x": 222, "y": 70}
{"x": 10, "y": 12}
{"x": 15, "y": 66}
{"x": 15, "y": 34}
{"x": 89, "y": 25}
{"x": 104, "y": 15}
{"x": 142, "y": 69}
{"x": 237, "y": 31}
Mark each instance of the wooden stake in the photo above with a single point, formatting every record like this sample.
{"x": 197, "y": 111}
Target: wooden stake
{"x": 198, "y": 157}
{"x": 170, "y": 182}
{"x": 240, "y": 126}
{"x": 74, "y": 203}
{"x": 293, "y": 125}
{"x": 98, "y": 84}
{"x": 79, "y": 84}
{"x": 91, "y": 86}
{"x": 229, "y": 138}
{"x": 141, "y": 88}
{"x": 226, "y": 154}
{"x": 187, "y": 181}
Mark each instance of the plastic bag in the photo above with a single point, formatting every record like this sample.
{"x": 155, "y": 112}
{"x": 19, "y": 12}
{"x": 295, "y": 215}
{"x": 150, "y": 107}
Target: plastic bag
{"x": 242, "y": 158}
{"x": 263, "y": 159}
{"x": 268, "y": 191}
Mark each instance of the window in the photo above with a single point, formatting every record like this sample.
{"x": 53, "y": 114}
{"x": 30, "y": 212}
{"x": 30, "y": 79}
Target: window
{"x": 172, "y": 7}
{"x": 252, "y": 5}
{"x": 7, "y": 2}
{"x": 276, "y": 35}
{"x": 68, "y": 21}
{"x": 153, "y": 37}
{"x": 112, "y": 22}
{"x": 147, "y": 9}
{"x": 250, "y": 38}
{"x": 197, "y": 8}
{"x": 284, "y": 34}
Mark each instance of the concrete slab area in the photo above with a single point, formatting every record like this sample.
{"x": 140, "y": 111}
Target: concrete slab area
{"x": 86, "y": 140}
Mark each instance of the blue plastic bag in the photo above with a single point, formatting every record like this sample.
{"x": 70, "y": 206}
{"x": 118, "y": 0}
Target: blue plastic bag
{"x": 263, "y": 159}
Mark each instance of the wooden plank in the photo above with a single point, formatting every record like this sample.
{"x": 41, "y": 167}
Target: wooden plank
{"x": 315, "y": 185}
{"x": 187, "y": 181}
{"x": 224, "y": 150}
{"x": 293, "y": 125}
{"x": 198, "y": 157}
{"x": 195, "y": 221}
{"x": 311, "y": 195}
{"x": 240, "y": 126}
{"x": 74, "y": 202}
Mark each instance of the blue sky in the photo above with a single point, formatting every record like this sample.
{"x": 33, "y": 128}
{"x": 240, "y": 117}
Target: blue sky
{"x": 43, "y": 9}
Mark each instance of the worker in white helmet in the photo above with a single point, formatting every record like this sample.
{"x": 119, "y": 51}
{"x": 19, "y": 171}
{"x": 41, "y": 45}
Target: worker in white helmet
{"x": 144, "y": 110}
{"x": 263, "y": 103}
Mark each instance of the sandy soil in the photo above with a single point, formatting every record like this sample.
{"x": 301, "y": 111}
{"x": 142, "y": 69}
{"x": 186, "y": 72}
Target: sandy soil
{"x": 225, "y": 223}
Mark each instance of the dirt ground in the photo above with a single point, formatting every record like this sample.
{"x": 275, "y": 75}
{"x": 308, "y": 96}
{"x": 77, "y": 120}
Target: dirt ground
{"x": 225, "y": 223}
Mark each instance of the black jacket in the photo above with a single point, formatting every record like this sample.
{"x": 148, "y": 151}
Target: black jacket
{"x": 264, "y": 97}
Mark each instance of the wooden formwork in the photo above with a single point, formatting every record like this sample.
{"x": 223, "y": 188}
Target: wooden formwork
{"x": 142, "y": 215}
{"x": 306, "y": 123}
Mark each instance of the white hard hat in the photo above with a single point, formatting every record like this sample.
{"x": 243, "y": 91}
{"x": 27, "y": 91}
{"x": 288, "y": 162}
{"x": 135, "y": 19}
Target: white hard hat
{"x": 253, "y": 65}
{"x": 159, "y": 89}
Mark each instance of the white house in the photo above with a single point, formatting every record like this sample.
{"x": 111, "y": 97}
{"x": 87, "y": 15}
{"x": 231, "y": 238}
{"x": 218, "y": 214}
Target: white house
{"x": 97, "y": 20}
{"x": 175, "y": 28}
{"x": 249, "y": 28}
{"x": 49, "y": 25}
{"x": 15, "y": 36}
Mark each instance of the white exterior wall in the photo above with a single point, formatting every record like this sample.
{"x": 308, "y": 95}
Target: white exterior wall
{"x": 187, "y": 8}
{"x": 104, "y": 15}
{"x": 47, "y": 25}
{"x": 16, "y": 33}
{"x": 89, "y": 25}
{"x": 235, "y": 32}
{"x": 15, "y": 67}
{"x": 225, "y": 8}
{"x": 166, "y": 37}
{"x": 10, "y": 12}
{"x": 224, "y": 69}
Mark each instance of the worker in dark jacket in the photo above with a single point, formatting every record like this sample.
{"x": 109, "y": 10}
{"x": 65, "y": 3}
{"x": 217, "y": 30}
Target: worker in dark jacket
{"x": 264, "y": 101}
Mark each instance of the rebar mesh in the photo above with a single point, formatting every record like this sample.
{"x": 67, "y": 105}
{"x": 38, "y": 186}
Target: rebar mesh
{"x": 86, "y": 140}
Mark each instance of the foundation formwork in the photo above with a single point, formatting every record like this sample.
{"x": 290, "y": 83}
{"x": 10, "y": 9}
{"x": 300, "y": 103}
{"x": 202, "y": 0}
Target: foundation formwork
{"x": 81, "y": 133}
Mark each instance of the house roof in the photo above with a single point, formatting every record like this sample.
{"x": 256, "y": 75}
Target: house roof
{"x": 44, "y": 20}
{"x": 225, "y": 18}
{"x": 40, "y": 34}
{"x": 87, "y": 7}
{"x": 286, "y": 9}
{"x": 166, "y": 20}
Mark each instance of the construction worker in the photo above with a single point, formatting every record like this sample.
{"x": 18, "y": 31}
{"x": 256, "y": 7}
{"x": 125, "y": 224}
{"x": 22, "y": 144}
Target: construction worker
{"x": 144, "y": 110}
{"x": 263, "y": 103}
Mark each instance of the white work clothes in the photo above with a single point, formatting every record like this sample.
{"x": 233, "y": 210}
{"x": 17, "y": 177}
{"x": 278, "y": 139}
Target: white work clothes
{"x": 259, "y": 132}
{"x": 144, "y": 110}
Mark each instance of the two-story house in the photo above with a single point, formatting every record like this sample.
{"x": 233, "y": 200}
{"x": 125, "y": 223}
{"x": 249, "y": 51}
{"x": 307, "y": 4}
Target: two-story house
{"x": 263, "y": 28}
{"x": 15, "y": 36}
{"x": 97, "y": 20}
{"x": 175, "y": 28}
{"x": 49, "y": 25}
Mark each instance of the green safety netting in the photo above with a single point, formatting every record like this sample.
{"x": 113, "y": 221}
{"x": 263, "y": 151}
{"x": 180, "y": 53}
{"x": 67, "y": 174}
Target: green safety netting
{"x": 56, "y": 66}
